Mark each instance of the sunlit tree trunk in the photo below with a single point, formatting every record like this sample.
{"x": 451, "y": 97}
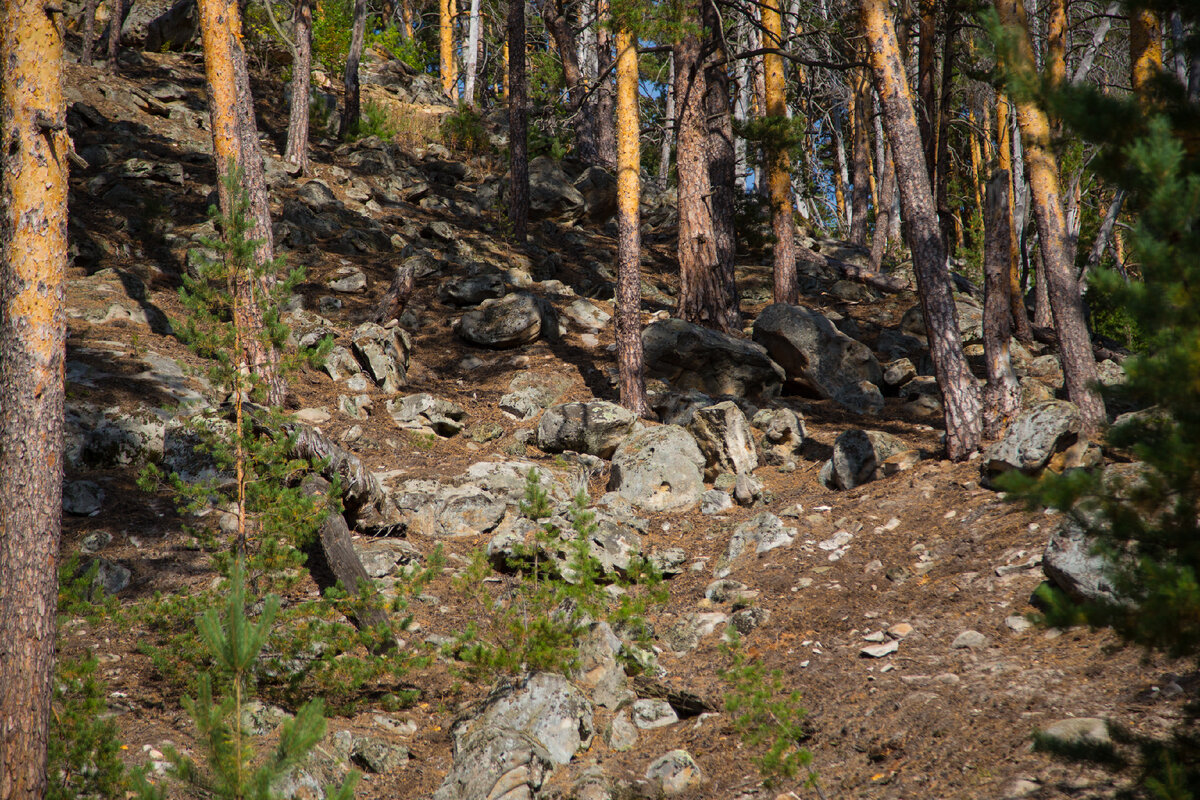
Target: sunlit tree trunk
{"x": 33, "y": 259}
{"x": 841, "y": 175}
{"x": 350, "y": 78}
{"x": 883, "y": 212}
{"x": 860, "y": 193}
{"x": 235, "y": 147}
{"x": 664, "y": 161}
{"x": 518, "y": 123}
{"x": 1004, "y": 151}
{"x": 1145, "y": 51}
{"x": 446, "y": 46}
{"x": 471, "y": 57}
{"x": 960, "y": 393}
{"x": 787, "y": 289}
{"x": 629, "y": 247}
{"x": 707, "y": 295}
{"x": 1075, "y": 346}
{"x": 297, "y": 141}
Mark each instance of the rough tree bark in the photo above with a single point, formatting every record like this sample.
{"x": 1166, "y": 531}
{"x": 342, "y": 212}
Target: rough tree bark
{"x": 947, "y": 222}
{"x": 33, "y": 259}
{"x": 1002, "y": 395}
{"x": 860, "y": 192}
{"x": 115, "y": 19}
{"x": 707, "y": 294}
{"x": 883, "y": 213}
{"x": 1079, "y": 365}
{"x": 629, "y": 246}
{"x": 296, "y": 152}
{"x": 584, "y": 105}
{"x": 605, "y": 115}
{"x": 786, "y": 289}
{"x": 518, "y": 123}
{"x": 927, "y": 83}
{"x": 446, "y": 46}
{"x": 1004, "y": 151}
{"x": 352, "y": 104}
{"x": 235, "y": 147}
{"x": 89, "y": 33}
{"x": 960, "y": 393}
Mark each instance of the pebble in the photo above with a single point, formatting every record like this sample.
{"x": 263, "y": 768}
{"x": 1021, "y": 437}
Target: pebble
{"x": 649, "y": 714}
{"x": 1018, "y": 624}
{"x": 969, "y": 640}
{"x": 1083, "y": 730}
{"x": 900, "y": 630}
{"x": 837, "y": 540}
{"x": 880, "y": 650}
{"x": 312, "y": 416}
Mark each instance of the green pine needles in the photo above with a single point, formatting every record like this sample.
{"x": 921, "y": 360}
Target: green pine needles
{"x": 767, "y": 717}
{"x": 232, "y": 769}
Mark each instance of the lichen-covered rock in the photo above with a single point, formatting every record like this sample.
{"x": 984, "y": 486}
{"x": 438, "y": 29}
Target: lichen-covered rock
{"x": 491, "y": 763}
{"x": 472, "y": 290}
{"x": 595, "y": 427}
{"x": 1034, "y": 437}
{"x": 694, "y": 357}
{"x": 724, "y": 437}
{"x": 858, "y": 457}
{"x": 509, "y": 321}
{"x": 545, "y": 706}
{"x": 659, "y": 469}
{"x": 783, "y": 435}
{"x": 383, "y": 353}
{"x": 815, "y": 353}
{"x": 764, "y": 532}
{"x": 426, "y": 412}
{"x": 675, "y": 773}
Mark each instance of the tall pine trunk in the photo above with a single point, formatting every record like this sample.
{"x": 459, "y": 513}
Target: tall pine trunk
{"x": 33, "y": 260}
{"x": 89, "y": 33}
{"x": 297, "y": 140}
{"x": 629, "y": 285}
{"x": 960, "y": 393}
{"x": 1004, "y": 149}
{"x": 472, "y": 55}
{"x": 786, "y": 289}
{"x": 352, "y": 108}
{"x": 518, "y": 123}
{"x": 1002, "y": 395}
{"x": 860, "y": 193}
{"x": 236, "y": 148}
{"x": 1075, "y": 345}
{"x": 446, "y": 46}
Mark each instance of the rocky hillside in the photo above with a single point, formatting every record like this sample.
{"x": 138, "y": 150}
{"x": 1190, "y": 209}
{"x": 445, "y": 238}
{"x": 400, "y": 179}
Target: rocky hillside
{"x": 793, "y": 490}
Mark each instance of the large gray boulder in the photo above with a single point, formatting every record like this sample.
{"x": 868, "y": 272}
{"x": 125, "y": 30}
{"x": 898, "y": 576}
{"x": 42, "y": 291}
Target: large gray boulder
{"x": 509, "y": 321}
{"x": 173, "y": 29}
{"x": 968, "y": 312}
{"x": 545, "y": 706}
{"x": 1070, "y": 563}
{"x": 596, "y": 427}
{"x": 494, "y": 763}
{"x": 724, "y": 437}
{"x": 858, "y": 457}
{"x": 694, "y": 357}
{"x": 659, "y": 469}
{"x": 1034, "y": 437}
{"x": 783, "y": 435}
{"x": 599, "y": 190}
{"x": 815, "y": 353}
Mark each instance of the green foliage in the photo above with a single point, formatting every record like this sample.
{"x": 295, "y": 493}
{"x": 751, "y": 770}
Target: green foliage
{"x": 463, "y": 130}
{"x": 1145, "y": 520}
{"x": 80, "y": 595}
{"x": 1111, "y": 318}
{"x": 332, "y": 22}
{"x": 766, "y": 716}
{"x": 373, "y": 121}
{"x": 557, "y": 593}
{"x": 84, "y": 754}
{"x": 231, "y": 767}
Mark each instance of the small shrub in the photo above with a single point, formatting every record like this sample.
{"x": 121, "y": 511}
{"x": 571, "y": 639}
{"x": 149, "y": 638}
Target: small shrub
{"x": 463, "y": 131}
{"x": 374, "y": 121}
{"x": 767, "y": 716}
{"x": 84, "y": 754}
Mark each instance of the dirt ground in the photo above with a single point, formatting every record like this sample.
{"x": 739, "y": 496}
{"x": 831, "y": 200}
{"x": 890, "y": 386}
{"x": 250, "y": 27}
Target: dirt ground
{"x": 932, "y": 548}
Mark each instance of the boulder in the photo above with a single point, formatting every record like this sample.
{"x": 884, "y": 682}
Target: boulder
{"x": 761, "y": 534}
{"x": 659, "y": 469}
{"x": 694, "y": 357}
{"x": 424, "y": 411}
{"x": 1034, "y": 437}
{"x": 82, "y": 498}
{"x": 970, "y": 320}
{"x": 598, "y": 669}
{"x": 495, "y": 762}
{"x": 545, "y": 706}
{"x": 596, "y": 427}
{"x": 472, "y": 290}
{"x": 783, "y": 435}
{"x": 173, "y": 29}
{"x": 509, "y": 321}
{"x": 725, "y": 439}
{"x": 1072, "y": 566}
{"x": 815, "y": 353}
{"x": 530, "y": 392}
{"x": 587, "y": 315}
{"x": 599, "y": 190}
{"x": 383, "y": 354}
{"x": 858, "y": 456}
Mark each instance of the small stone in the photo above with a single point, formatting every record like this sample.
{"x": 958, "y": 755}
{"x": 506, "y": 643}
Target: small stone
{"x": 1018, "y": 624}
{"x": 650, "y": 714}
{"x": 348, "y": 280}
{"x": 1021, "y": 787}
{"x": 880, "y": 650}
{"x": 969, "y": 640}
{"x": 715, "y": 502}
{"x": 748, "y": 619}
{"x": 876, "y": 636}
{"x": 95, "y": 541}
{"x": 621, "y": 735}
{"x": 312, "y": 416}
{"x": 376, "y": 755}
{"x": 82, "y": 498}
{"x": 675, "y": 773}
{"x": 900, "y": 630}
{"x": 839, "y": 539}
